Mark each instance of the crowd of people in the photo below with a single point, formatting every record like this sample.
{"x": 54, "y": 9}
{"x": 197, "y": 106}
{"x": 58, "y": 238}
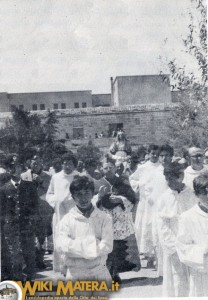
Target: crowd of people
{"x": 99, "y": 218}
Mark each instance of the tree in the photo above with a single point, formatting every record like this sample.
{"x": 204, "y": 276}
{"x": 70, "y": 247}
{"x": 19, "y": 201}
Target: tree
{"x": 89, "y": 154}
{"x": 51, "y": 147}
{"x": 27, "y": 134}
{"x": 22, "y": 134}
{"x": 189, "y": 123}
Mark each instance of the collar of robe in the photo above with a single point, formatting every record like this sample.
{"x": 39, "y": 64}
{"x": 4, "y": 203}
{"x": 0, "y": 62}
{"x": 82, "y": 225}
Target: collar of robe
{"x": 86, "y": 213}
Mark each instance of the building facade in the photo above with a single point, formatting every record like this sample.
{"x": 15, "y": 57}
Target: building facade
{"x": 140, "y": 105}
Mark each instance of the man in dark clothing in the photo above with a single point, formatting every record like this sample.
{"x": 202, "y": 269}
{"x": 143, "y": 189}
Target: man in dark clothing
{"x": 19, "y": 210}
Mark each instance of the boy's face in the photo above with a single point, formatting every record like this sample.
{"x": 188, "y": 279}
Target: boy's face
{"x": 68, "y": 167}
{"x": 153, "y": 155}
{"x": 197, "y": 161}
{"x": 36, "y": 165}
{"x": 165, "y": 158}
{"x": 83, "y": 198}
{"x": 109, "y": 170}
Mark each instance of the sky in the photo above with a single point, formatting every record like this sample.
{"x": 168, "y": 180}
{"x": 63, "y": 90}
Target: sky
{"x": 63, "y": 45}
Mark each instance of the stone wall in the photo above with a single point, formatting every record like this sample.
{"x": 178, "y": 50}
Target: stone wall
{"x": 142, "y": 124}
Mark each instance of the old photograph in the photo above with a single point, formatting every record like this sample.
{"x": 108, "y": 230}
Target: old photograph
{"x": 104, "y": 148}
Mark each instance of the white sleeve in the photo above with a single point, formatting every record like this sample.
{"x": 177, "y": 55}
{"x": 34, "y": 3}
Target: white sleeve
{"x": 166, "y": 235}
{"x": 134, "y": 181}
{"x": 189, "y": 252}
{"x": 79, "y": 247}
{"x": 105, "y": 246}
{"x": 50, "y": 196}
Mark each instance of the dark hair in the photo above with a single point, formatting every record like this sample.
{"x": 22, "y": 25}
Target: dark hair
{"x": 152, "y": 147}
{"x": 81, "y": 183}
{"x": 173, "y": 170}
{"x": 142, "y": 150}
{"x": 91, "y": 162}
{"x": 200, "y": 184}
{"x": 167, "y": 148}
{"x": 69, "y": 156}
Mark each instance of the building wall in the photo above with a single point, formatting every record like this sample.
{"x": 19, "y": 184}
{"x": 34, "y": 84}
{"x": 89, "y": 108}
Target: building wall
{"x": 142, "y": 124}
{"x": 133, "y": 90}
{"x": 51, "y": 98}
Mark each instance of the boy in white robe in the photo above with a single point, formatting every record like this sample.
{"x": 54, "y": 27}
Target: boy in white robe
{"x": 141, "y": 181}
{"x": 192, "y": 239}
{"x": 175, "y": 200}
{"x": 196, "y": 168}
{"x": 59, "y": 197}
{"x": 85, "y": 235}
{"x": 159, "y": 186}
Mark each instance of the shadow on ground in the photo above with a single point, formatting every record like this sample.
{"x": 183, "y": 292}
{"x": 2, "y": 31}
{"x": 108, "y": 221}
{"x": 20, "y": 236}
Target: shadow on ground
{"x": 141, "y": 281}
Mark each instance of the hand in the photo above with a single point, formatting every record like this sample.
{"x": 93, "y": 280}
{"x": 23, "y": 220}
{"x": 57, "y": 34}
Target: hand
{"x": 115, "y": 199}
{"x": 102, "y": 191}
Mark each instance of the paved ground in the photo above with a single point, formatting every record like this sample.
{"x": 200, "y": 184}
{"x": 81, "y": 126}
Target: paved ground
{"x": 142, "y": 284}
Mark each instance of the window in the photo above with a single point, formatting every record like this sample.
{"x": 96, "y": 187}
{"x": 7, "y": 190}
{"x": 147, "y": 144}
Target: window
{"x": 42, "y": 106}
{"x": 78, "y": 132}
{"x": 63, "y": 105}
{"x": 84, "y": 104}
{"x": 55, "y": 106}
{"x": 13, "y": 107}
{"x": 113, "y": 128}
{"x": 34, "y": 107}
{"x": 76, "y": 105}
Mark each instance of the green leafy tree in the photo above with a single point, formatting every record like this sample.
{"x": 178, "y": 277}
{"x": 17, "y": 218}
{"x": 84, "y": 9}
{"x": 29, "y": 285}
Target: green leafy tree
{"x": 22, "y": 134}
{"x": 89, "y": 154}
{"x": 51, "y": 147}
{"x": 189, "y": 123}
{"x": 27, "y": 134}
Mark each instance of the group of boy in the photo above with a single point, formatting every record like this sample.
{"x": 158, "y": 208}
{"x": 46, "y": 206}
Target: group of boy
{"x": 171, "y": 222}
{"x": 172, "y": 219}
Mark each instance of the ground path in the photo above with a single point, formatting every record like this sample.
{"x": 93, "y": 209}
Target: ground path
{"x": 142, "y": 284}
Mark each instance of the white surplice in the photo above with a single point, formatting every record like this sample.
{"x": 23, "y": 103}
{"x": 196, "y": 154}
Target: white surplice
{"x": 85, "y": 243}
{"x": 159, "y": 186}
{"x": 59, "y": 197}
{"x": 170, "y": 205}
{"x": 141, "y": 181}
{"x": 190, "y": 174}
{"x": 192, "y": 239}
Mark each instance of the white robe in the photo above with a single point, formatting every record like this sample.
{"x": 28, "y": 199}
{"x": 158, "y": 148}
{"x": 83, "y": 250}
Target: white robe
{"x": 86, "y": 242}
{"x": 190, "y": 174}
{"x": 192, "y": 238}
{"x": 170, "y": 205}
{"x": 141, "y": 181}
{"x": 59, "y": 197}
{"x": 159, "y": 186}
